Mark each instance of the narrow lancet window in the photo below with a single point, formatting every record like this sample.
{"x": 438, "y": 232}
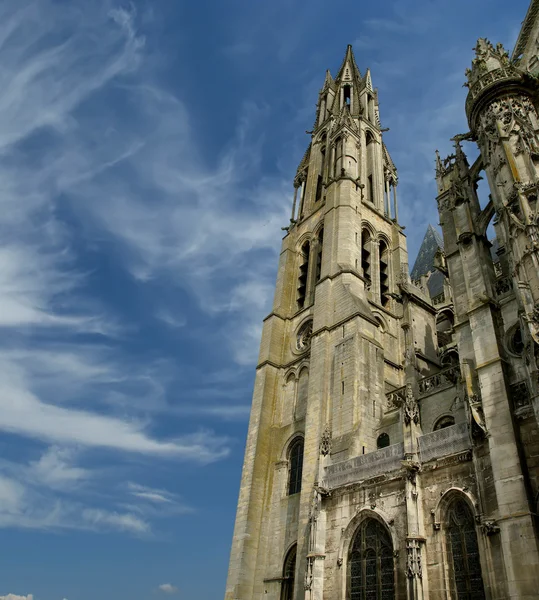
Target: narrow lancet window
{"x": 346, "y": 94}
{"x": 289, "y": 574}
{"x": 296, "y": 467}
{"x": 303, "y": 274}
{"x": 319, "y": 255}
{"x": 366, "y": 255}
{"x": 384, "y": 274}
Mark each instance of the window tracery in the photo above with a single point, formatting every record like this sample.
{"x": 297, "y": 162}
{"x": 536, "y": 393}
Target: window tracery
{"x": 463, "y": 550}
{"x": 371, "y": 563}
{"x": 289, "y": 574}
{"x": 296, "y": 467}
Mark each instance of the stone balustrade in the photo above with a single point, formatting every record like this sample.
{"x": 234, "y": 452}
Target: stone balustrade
{"x": 386, "y": 460}
{"x": 439, "y": 380}
{"x": 443, "y": 442}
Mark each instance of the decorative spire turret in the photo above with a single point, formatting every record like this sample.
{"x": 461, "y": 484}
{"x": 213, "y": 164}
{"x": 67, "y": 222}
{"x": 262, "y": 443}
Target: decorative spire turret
{"x": 491, "y": 69}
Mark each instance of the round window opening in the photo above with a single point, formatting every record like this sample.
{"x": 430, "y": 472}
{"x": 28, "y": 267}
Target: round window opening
{"x": 516, "y": 345}
{"x": 303, "y": 339}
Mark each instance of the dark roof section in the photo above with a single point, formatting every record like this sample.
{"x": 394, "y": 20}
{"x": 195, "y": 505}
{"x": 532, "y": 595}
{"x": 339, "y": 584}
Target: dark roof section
{"x": 432, "y": 242}
{"x": 436, "y": 284}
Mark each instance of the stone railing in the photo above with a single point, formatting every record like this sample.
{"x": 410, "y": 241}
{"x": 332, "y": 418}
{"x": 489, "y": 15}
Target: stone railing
{"x": 395, "y": 398}
{"x": 440, "y": 380}
{"x": 488, "y": 79}
{"x": 386, "y": 460}
{"x": 443, "y": 442}
{"x": 438, "y": 299}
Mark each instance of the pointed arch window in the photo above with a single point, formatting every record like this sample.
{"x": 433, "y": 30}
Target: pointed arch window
{"x": 338, "y": 157}
{"x": 289, "y": 574}
{"x": 371, "y": 569}
{"x": 384, "y": 273}
{"x": 296, "y": 467}
{"x": 369, "y": 142}
{"x": 319, "y": 255}
{"x": 303, "y": 274}
{"x": 366, "y": 255}
{"x": 347, "y": 95}
{"x": 463, "y": 550}
{"x": 322, "y": 175}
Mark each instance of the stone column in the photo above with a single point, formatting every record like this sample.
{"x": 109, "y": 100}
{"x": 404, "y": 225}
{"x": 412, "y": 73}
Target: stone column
{"x": 293, "y": 216}
{"x": 415, "y": 539}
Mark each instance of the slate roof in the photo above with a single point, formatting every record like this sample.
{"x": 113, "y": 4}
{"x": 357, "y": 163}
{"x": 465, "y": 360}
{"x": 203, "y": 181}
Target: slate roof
{"x": 424, "y": 262}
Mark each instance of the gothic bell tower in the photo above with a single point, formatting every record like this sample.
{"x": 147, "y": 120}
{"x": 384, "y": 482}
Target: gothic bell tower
{"x": 331, "y": 347}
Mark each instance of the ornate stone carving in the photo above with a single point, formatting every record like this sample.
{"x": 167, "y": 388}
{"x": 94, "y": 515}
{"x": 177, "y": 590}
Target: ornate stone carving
{"x": 448, "y": 376}
{"x": 411, "y": 407}
{"x": 413, "y": 559}
{"x": 395, "y": 399}
{"x": 412, "y": 469}
{"x": 503, "y": 286}
{"x": 309, "y": 577}
{"x": 303, "y": 338}
{"x": 325, "y": 441}
{"x": 490, "y": 527}
{"x": 521, "y": 400}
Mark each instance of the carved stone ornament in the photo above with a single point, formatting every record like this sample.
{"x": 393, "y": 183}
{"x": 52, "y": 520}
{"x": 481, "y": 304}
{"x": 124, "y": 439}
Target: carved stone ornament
{"x": 411, "y": 407}
{"x": 309, "y": 577}
{"x": 413, "y": 559}
{"x": 490, "y": 527}
{"x": 303, "y": 338}
{"x": 325, "y": 441}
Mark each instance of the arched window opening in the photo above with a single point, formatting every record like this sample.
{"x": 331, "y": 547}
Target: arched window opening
{"x": 516, "y": 344}
{"x": 370, "y": 108}
{"x": 384, "y": 273}
{"x": 382, "y": 441}
{"x": 444, "y": 327}
{"x": 450, "y": 359}
{"x": 289, "y": 574}
{"x": 338, "y": 157}
{"x": 303, "y": 273}
{"x": 320, "y": 180}
{"x": 369, "y": 140}
{"x": 463, "y": 550}
{"x": 371, "y": 568}
{"x": 296, "y": 467}
{"x": 366, "y": 255}
{"x": 444, "y": 422}
{"x": 319, "y": 255}
{"x": 346, "y": 91}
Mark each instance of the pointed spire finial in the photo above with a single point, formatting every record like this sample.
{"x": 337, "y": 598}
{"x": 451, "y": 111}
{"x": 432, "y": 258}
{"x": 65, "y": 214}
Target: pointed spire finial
{"x": 439, "y": 165}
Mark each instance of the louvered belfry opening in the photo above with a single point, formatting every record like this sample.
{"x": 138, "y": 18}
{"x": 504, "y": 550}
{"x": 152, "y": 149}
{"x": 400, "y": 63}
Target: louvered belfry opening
{"x": 366, "y": 255}
{"x": 303, "y": 274}
{"x": 384, "y": 274}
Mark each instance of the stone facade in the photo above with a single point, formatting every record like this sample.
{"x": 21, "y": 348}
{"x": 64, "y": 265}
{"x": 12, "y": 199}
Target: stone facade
{"x": 393, "y": 444}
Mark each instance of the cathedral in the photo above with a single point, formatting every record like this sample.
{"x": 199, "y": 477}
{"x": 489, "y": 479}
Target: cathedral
{"x": 393, "y": 443}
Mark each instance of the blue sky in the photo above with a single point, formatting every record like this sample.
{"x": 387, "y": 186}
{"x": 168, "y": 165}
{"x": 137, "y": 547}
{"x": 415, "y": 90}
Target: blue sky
{"x": 147, "y": 151}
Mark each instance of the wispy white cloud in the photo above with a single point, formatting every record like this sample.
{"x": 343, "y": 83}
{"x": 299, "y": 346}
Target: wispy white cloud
{"x": 22, "y": 412}
{"x": 29, "y": 497}
{"x": 168, "y": 588}
{"x": 15, "y": 597}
